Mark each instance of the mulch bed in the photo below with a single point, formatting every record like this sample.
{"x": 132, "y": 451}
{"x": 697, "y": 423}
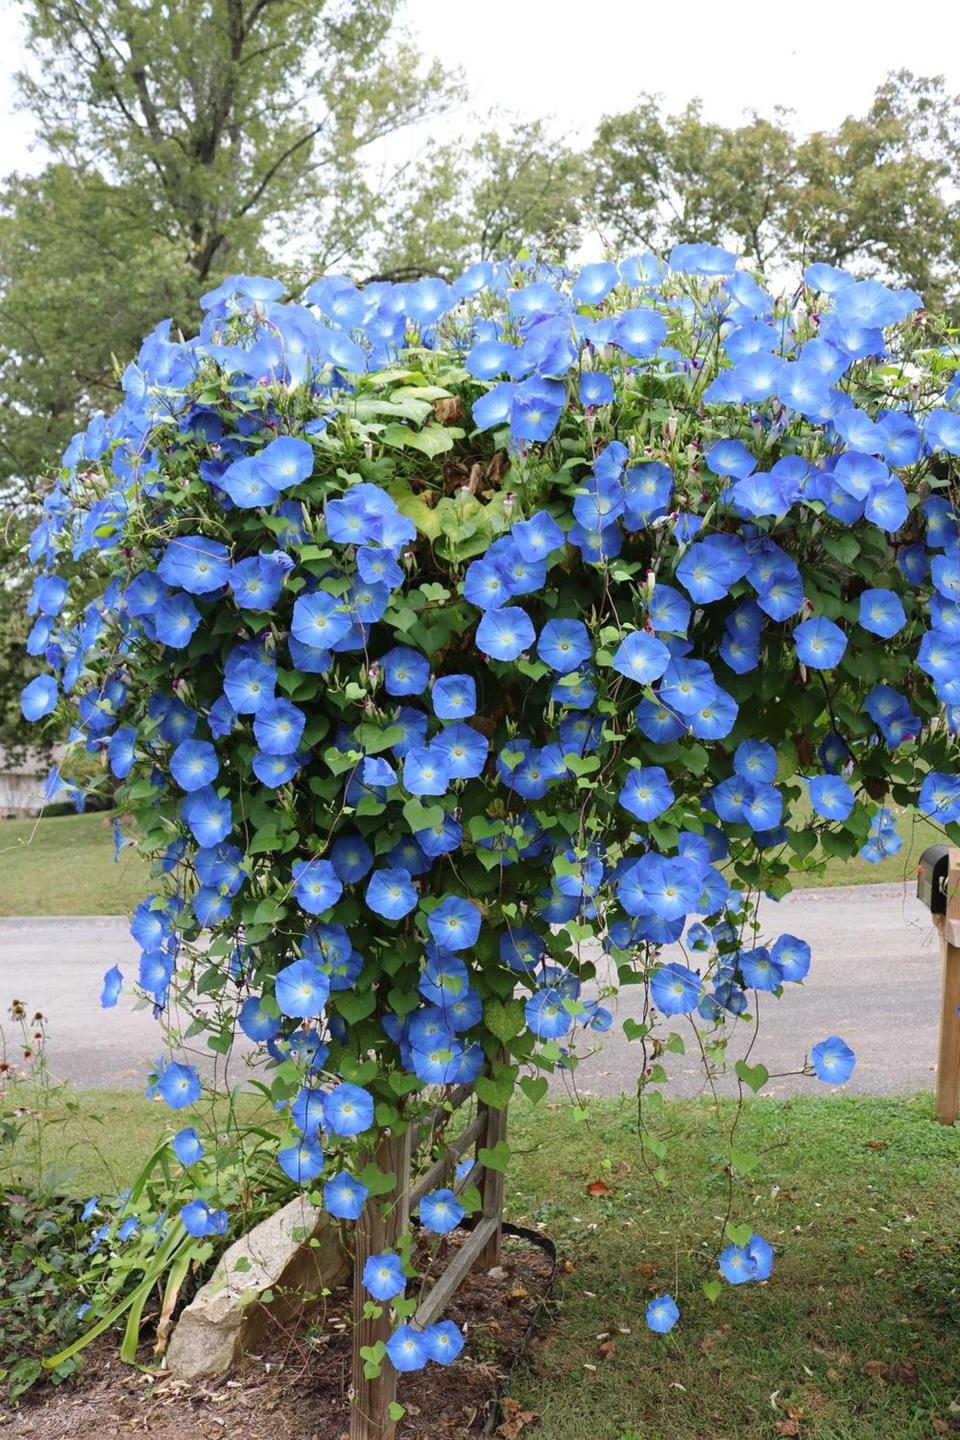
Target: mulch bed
{"x": 294, "y": 1387}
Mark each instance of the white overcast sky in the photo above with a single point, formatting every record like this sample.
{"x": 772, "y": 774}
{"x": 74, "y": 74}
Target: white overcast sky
{"x": 575, "y": 60}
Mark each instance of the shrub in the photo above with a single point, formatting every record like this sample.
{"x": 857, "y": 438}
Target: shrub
{"x": 462, "y": 646}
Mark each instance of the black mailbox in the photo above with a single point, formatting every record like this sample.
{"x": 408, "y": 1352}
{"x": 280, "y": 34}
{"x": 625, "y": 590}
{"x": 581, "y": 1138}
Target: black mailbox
{"x": 932, "y": 878}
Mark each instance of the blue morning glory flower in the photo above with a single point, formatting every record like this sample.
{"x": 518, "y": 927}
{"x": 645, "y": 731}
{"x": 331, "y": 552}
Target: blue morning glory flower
{"x": 278, "y": 726}
{"x": 792, "y": 956}
{"x": 486, "y": 585}
{"x": 881, "y": 612}
{"x": 700, "y": 258}
{"x": 39, "y": 698}
{"x": 596, "y": 388}
{"x": 407, "y": 1349}
{"x": 455, "y": 923}
{"x": 348, "y": 1110}
{"x": 565, "y": 645}
{"x": 939, "y": 797}
{"x": 178, "y": 1084}
{"x": 833, "y": 1061}
{"x": 199, "y": 1220}
{"x": 303, "y": 1162}
{"x": 641, "y": 657}
{"x": 376, "y": 772}
{"x": 209, "y": 817}
{"x": 662, "y": 1314}
{"x": 505, "y": 634}
{"x": 344, "y": 1196}
{"x": 194, "y": 764}
{"x": 195, "y": 564}
{"x": 595, "y": 282}
{"x": 319, "y": 620}
{"x": 739, "y": 1264}
{"x": 425, "y": 771}
{"x": 383, "y": 1276}
{"x": 675, "y": 989}
{"x": 301, "y": 990}
{"x": 830, "y": 796}
{"x": 537, "y": 537}
{"x": 759, "y": 970}
{"x": 112, "y": 984}
{"x": 316, "y": 886}
{"x": 490, "y": 358}
{"x": 257, "y": 582}
{"x": 444, "y": 1342}
{"x": 547, "y": 1014}
{"x": 188, "y": 1146}
{"x": 121, "y": 751}
{"x": 405, "y": 671}
{"x": 454, "y": 697}
{"x": 256, "y": 1021}
{"x": 755, "y": 760}
{"x": 249, "y": 686}
{"x": 647, "y": 792}
{"x": 351, "y": 858}
{"x": 640, "y": 332}
{"x": 463, "y": 751}
{"x": 820, "y": 643}
{"x": 441, "y": 1212}
{"x": 391, "y": 893}
{"x": 276, "y": 770}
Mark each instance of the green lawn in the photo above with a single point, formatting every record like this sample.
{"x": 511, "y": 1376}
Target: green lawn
{"x": 857, "y": 1336}
{"x": 65, "y": 866}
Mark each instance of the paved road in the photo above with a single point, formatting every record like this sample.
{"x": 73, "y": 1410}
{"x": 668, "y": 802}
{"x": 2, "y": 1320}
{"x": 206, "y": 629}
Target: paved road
{"x": 875, "y": 980}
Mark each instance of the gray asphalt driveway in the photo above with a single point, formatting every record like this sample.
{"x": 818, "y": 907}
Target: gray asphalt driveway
{"x": 875, "y": 980}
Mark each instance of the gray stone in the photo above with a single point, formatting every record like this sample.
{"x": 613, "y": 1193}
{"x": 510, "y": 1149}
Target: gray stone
{"x": 228, "y": 1316}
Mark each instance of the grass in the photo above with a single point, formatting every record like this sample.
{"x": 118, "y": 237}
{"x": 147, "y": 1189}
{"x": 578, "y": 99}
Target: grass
{"x": 855, "y": 1337}
{"x": 65, "y": 866}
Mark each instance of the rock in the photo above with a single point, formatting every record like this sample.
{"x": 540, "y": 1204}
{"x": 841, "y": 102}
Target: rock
{"x": 227, "y": 1316}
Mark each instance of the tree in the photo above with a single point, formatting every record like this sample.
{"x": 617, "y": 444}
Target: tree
{"x": 878, "y": 194}
{"x": 662, "y": 179}
{"x": 186, "y": 139}
{"x": 512, "y": 187}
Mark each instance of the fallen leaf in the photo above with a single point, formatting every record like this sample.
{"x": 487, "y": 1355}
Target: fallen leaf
{"x": 519, "y": 1293}
{"x": 904, "y": 1372}
{"x": 599, "y": 1188}
{"x": 873, "y": 1367}
{"x": 608, "y": 1350}
{"x": 515, "y": 1418}
{"x": 876, "y": 1144}
{"x": 787, "y": 1427}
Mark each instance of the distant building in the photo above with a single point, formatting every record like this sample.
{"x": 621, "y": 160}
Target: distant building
{"x": 23, "y": 779}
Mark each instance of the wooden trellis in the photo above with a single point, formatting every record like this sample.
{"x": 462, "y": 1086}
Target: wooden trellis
{"x": 381, "y": 1227}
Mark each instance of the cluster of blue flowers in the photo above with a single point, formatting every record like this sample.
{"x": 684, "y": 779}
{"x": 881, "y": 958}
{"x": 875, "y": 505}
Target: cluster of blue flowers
{"x": 410, "y": 705}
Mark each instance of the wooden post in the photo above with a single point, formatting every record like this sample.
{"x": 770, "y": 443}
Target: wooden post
{"x": 383, "y": 1222}
{"x": 948, "y": 1066}
{"x": 492, "y": 1189}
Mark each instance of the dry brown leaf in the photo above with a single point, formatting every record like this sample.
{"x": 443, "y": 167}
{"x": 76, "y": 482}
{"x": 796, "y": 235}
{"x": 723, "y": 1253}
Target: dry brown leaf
{"x": 515, "y": 1418}
{"x": 873, "y": 1367}
{"x": 608, "y": 1350}
{"x": 449, "y": 410}
{"x": 787, "y": 1427}
{"x": 519, "y": 1293}
{"x": 599, "y": 1187}
{"x": 876, "y": 1144}
{"x": 903, "y": 1371}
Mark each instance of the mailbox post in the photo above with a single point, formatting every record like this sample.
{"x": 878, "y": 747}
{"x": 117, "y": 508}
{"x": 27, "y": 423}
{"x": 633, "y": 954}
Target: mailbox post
{"x": 938, "y": 886}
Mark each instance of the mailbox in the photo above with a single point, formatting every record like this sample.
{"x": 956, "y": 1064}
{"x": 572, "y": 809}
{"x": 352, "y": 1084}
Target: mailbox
{"x": 932, "y": 878}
